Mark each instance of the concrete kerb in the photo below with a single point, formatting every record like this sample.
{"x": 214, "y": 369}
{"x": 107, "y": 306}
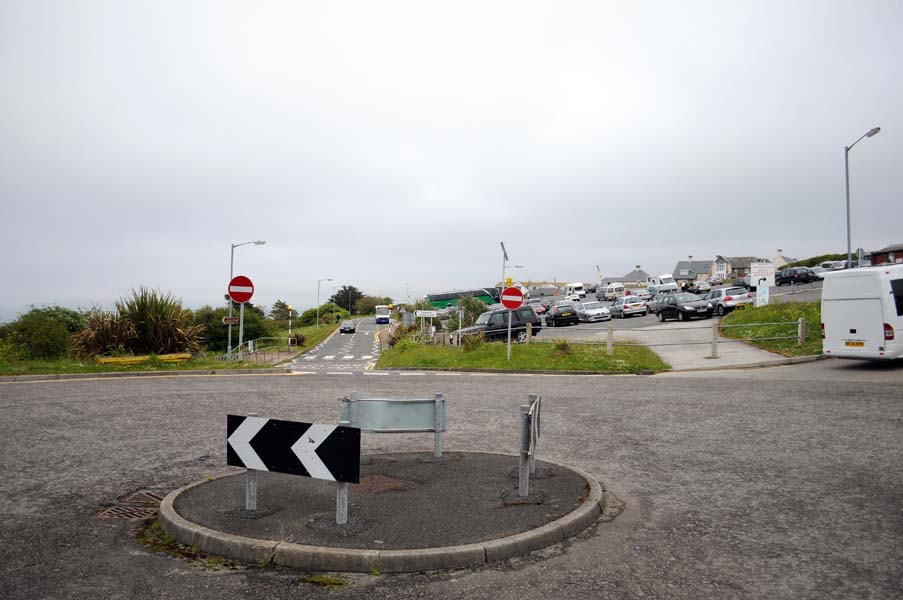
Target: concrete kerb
{"x": 323, "y": 558}
{"x": 121, "y": 374}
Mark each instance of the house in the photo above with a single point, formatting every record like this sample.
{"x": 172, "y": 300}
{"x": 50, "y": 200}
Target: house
{"x": 890, "y": 255}
{"x": 780, "y": 261}
{"x": 636, "y": 277}
{"x": 692, "y": 270}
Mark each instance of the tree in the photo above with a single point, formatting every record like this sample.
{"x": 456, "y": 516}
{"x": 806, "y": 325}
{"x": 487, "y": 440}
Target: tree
{"x": 42, "y": 333}
{"x": 217, "y": 333}
{"x": 366, "y": 305}
{"x": 472, "y": 307}
{"x": 329, "y": 314}
{"x": 346, "y": 296}
{"x": 279, "y": 311}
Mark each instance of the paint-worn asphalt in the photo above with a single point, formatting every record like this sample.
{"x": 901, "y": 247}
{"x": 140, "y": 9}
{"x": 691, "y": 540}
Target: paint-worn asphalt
{"x": 775, "y": 483}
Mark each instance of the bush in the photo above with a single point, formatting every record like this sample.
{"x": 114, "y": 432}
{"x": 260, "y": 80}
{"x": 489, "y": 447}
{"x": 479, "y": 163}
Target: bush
{"x": 472, "y": 342}
{"x": 401, "y": 333}
{"x": 40, "y": 334}
{"x": 161, "y": 326}
{"x": 299, "y": 338}
{"x": 329, "y": 315}
{"x": 106, "y": 333}
{"x": 562, "y": 346}
{"x": 218, "y": 333}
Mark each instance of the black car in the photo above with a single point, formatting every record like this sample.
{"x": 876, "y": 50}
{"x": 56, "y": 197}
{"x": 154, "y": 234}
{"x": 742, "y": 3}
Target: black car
{"x": 494, "y": 324}
{"x": 684, "y": 307}
{"x": 562, "y": 314}
{"x": 347, "y": 327}
{"x": 795, "y": 275}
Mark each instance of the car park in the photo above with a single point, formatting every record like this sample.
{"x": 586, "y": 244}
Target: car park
{"x": 643, "y": 294}
{"x": 795, "y": 275}
{"x": 684, "y": 307}
{"x": 612, "y": 291}
{"x": 347, "y": 327}
{"x": 628, "y": 306}
{"x": 563, "y": 313}
{"x": 592, "y": 312}
{"x": 493, "y": 324}
{"x": 726, "y": 299}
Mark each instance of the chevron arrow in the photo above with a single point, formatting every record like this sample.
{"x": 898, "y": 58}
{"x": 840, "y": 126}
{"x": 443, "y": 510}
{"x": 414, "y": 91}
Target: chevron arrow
{"x": 240, "y": 440}
{"x": 306, "y": 450}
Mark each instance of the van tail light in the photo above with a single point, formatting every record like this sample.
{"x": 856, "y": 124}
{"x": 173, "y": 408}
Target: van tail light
{"x": 728, "y": 298}
{"x": 888, "y": 332}
{"x": 822, "y": 331}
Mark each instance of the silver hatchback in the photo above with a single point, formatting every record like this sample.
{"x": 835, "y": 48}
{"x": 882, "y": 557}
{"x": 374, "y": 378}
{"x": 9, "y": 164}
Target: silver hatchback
{"x": 727, "y": 299}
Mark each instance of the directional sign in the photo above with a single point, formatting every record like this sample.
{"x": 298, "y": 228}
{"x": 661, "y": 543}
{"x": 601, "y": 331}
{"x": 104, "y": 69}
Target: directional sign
{"x": 512, "y": 298}
{"x": 241, "y": 289}
{"x": 431, "y": 314}
{"x": 230, "y": 320}
{"x": 313, "y": 450}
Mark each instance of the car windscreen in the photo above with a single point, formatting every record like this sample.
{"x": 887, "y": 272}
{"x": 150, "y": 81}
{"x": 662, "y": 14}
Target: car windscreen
{"x": 592, "y": 305}
{"x": 686, "y": 298}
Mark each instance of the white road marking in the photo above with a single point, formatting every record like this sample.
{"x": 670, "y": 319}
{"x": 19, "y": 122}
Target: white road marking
{"x": 349, "y": 357}
{"x": 374, "y": 373}
{"x": 338, "y": 373}
{"x": 367, "y": 357}
{"x": 411, "y": 374}
{"x": 312, "y": 357}
{"x": 330, "y": 357}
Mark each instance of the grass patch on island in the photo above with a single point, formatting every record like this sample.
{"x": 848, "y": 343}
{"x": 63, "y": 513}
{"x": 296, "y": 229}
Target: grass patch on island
{"x": 786, "y": 312}
{"x": 556, "y": 356}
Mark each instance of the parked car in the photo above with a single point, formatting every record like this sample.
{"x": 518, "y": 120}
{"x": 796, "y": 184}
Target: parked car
{"x": 493, "y": 324}
{"x": 653, "y": 305}
{"x": 700, "y": 287}
{"x": 563, "y": 313}
{"x": 592, "y": 312}
{"x": 819, "y": 272}
{"x": 795, "y": 275}
{"x": 643, "y": 294}
{"x": 726, "y": 299}
{"x": 347, "y": 327}
{"x": 684, "y": 307}
{"x": 627, "y": 306}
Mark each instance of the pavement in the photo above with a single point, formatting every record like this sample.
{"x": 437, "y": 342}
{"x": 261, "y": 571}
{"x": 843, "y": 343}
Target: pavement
{"x": 410, "y": 512}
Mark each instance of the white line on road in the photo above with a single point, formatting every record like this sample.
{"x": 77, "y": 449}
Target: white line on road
{"x": 338, "y": 373}
{"x": 374, "y": 373}
{"x": 330, "y": 357}
{"x": 349, "y": 357}
{"x": 411, "y": 374}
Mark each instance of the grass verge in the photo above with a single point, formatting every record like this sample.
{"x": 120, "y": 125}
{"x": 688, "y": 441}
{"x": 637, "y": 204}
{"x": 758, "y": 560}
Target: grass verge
{"x": 524, "y": 357}
{"x": 787, "y": 312}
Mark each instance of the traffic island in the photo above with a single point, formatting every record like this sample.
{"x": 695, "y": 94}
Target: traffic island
{"x": 410, "y": 512}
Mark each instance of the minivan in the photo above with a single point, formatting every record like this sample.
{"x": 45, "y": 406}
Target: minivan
{"x": 862, "y": 313}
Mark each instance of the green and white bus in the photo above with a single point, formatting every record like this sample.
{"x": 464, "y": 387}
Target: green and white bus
{"x": 445, "y": 299}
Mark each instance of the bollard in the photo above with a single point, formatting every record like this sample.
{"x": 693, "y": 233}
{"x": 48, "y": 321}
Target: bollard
{"x": 534, "y": 429}
{"x": 801, "y": 330}
{"x": 611, "y": 340}
{"x": 251, "y": 485}
{"x": 529, "y": 333}
{"x": 715, "y": 338}
{"x": 523, "y": 487}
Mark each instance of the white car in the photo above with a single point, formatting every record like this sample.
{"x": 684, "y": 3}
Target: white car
{"x": 592, "y": 312}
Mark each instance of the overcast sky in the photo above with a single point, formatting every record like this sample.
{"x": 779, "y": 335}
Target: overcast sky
{"x": 393, "y": 145}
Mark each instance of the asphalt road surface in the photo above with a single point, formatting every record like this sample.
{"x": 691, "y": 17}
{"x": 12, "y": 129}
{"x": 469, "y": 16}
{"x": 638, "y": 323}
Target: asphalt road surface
{"x": 774, "y": 483}
{"x": 343, "y": 353}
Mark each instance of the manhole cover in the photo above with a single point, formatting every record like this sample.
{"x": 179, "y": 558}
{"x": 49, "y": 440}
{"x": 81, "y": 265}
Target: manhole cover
{"x": 378, "y": 484}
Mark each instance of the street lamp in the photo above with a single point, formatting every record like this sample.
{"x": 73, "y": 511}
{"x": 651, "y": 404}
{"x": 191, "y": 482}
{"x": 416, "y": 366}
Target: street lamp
{"x": 318, "y": 298}
{"x": 231, "y": 275}
{"x": 290, "y": 309}
{"x": 846, "y": 166}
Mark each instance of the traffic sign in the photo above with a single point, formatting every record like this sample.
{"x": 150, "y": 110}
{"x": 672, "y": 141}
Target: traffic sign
{"x": 512, "y": 298}
{"x": 230, "y": 320}
{"x": 241, "y": 289}
{"x": 429, "y": 314}
{"x": 315, "y": 450}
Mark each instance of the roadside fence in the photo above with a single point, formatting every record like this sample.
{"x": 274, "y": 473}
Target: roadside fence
{"x": 261, "y": 349}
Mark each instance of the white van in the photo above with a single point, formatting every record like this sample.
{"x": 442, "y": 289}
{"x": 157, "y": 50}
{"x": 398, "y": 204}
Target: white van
{"x": 862, "y": 313}
{"x": 575, "y": 288}
{"x": 661, "y": 284}
{"x": 612, "y": 291}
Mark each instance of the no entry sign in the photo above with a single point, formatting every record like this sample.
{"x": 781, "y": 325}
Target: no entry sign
{"x": 241, "y": 289}
{"x": 512, "y": 298}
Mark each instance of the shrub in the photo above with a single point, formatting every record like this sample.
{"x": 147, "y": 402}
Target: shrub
{"x": 299, "y": 338}
{"x": 562, "y": 346}
{"x": 401, "y": 333}
{"x": 161, "y": 326}
{"x": 106, "y": 333}
{"x": 40, "y": 334}
{"x": 472, "y": 342}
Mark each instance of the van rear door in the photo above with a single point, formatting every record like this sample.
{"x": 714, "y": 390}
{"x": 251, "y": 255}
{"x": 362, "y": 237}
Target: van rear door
{"x": 853, "y": 328}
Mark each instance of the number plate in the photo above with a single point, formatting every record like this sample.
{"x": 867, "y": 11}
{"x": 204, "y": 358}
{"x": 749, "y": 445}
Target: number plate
{"x": 740, "y": 306}
{"x": 565, "y": 314}
{"x": 854, "y": 344}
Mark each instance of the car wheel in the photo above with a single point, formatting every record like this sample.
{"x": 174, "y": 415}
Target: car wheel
{"x": 520, "y": 337}
{"x": 661, "y": 317}
{"x": 681, "y": 316}
{"x": 720, "y": 310}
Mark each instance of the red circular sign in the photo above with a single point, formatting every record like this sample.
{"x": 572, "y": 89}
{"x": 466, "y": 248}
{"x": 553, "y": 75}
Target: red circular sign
{"x": 512, "y": 298}
{"x": 241, "y": 289}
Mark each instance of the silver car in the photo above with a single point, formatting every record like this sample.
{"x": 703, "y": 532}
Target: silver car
{"x": 727, "y": 299}
{"x": 627, "y": 306}
{"x": 592, "y": 312}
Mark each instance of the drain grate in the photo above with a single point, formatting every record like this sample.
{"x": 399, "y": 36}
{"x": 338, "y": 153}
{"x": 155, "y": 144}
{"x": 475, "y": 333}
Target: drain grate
{"x": 143, "y": 504}
{"x": 378, "y": 484}
{"x": 126, "y": 512}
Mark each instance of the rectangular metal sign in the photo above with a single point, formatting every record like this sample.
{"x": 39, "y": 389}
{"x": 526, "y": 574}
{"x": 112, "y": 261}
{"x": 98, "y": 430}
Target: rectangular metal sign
{"x": 429, "y": 314}
{"x": 321, "y": 451}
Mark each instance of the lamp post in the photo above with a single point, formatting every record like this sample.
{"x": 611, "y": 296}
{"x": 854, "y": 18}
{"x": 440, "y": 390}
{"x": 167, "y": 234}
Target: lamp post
{"x": 290, "y": 309}
{"x": 231, "y": 275}
{"x": 846, "y": 166}
{"x": 318, "y": 298}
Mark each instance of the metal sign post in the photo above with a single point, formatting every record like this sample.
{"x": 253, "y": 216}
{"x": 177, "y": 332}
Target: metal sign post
{"x": 509, "y": 336}
{"x": 512, "y": 299}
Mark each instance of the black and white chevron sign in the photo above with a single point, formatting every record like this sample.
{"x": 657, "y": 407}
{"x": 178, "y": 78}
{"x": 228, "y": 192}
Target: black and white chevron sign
{"x": 329, "y": 452}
